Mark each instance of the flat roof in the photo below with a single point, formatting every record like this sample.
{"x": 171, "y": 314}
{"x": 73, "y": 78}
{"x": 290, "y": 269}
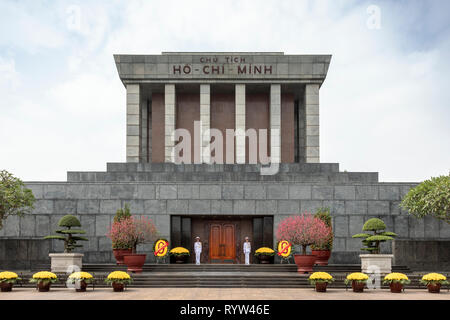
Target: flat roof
{"x": 222, "y": 67}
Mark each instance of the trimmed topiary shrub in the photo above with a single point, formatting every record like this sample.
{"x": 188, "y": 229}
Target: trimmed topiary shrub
{"x": 372, "y": 241}
{"x": 69, "y": 235}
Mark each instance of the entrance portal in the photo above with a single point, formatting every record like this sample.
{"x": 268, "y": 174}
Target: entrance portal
{"x": 222, "y": 236}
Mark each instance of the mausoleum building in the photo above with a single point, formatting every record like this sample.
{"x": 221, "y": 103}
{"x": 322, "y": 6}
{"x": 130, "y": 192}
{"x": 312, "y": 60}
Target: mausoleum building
{"x": 222, "y": 145}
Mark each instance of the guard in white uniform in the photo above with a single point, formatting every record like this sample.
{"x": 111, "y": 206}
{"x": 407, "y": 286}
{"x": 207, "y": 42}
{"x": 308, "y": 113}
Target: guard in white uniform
{"x": 247, "y": 250}
{"x": 197, "y": 249}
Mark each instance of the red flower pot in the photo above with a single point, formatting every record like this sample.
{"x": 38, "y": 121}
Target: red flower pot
{"x": 321, "y": 286}
{"x": 434, "y": 287}
{"x": 134, "y": 262}
{"x": 6, "y": 287}
{"x": 358, "y": 286}
{"x": 119, "y": 253}
{"x": 305, "y": 262}
{"x": 118, "y": 287}
{"x": 43, "y": 287}
{"x": 396, "y": 287}
{"x": 322, "y": 256}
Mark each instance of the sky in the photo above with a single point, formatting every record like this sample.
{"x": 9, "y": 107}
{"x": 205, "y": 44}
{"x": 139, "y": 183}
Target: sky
{"x": 384, "y": 106}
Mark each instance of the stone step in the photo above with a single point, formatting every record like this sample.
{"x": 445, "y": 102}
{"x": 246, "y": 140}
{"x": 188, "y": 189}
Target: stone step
{"x": 171, "y": 167}
{"x": 355, "y": 268}
{"x": 224, "y": 268}
{"x": 316, "y": 178}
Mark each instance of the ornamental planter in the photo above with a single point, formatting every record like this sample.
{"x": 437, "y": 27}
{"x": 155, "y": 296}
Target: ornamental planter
{"x": 134, "y": 262}
{"x": 305, "y": 262}
{"x": 322, "y": 256}
{"x": 321, "y": 286}
{"x": 434, "y": 288}
{"x": 43, "y": 286}
{"x": 80, "y": 286}
{"x": 396, "y": 287}
{"x": 264, "y": 259}
{"x": 358, "y": 286}
{"x": 119, "y": 253}
{"x": 376, "y": 262}
{"x": 180, "y": 258}
{"x": 62, "y": 262}
{"x": 6, "y": 287}
{"x": 117, "y": 286}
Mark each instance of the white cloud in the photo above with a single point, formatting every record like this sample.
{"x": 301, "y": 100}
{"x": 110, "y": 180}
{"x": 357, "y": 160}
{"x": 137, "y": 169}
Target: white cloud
{"x": 9, "y": 77}
{"x": 29, "y": 27}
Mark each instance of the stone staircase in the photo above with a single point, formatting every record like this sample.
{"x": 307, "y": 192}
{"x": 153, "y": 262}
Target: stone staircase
{"x": 222, "y": 275}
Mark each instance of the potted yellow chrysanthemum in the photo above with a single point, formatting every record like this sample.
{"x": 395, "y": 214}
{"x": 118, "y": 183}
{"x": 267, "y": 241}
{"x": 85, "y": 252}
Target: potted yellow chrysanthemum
{"x": 80, "y": 280}
{"x": 180, "y": 254}
{"x": 396, "y": 281}
{"x": 358, "y": 281}
{"x": 320, "y": 280}
{"x": 264, "y": 255}
{"x": 7, "y": 280}
{"x": 433, "y": 281}
{"x": 43, "y": 280}
{"x": 118, "y": 280}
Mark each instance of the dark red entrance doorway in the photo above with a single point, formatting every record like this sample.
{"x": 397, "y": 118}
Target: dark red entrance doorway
{"x": 222, "y": 244}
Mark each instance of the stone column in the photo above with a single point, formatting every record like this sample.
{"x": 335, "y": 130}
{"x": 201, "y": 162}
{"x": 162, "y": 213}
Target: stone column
{"x": 169, "y": 122}
{"x": 205, "y": 109}
{"x": 144, "y": 130}
{"x": 133, "y": 123}
{"x": 312, "y": 122}
{"x": 240, "y": 123}
{"x": 275, "y": 123}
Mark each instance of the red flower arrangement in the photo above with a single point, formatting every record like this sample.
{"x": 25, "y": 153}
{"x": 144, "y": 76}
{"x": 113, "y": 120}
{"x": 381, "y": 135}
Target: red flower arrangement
{"x": 129, "y": 232}
{"x": 303, "y": 230}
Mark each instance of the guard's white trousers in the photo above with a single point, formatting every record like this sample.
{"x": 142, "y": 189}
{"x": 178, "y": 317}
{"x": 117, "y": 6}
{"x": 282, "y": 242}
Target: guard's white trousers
{"x": 247, "y": 258}
{"x": 197, "y": 257}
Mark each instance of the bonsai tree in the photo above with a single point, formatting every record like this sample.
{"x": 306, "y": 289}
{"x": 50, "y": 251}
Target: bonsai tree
{"x": 431, "y": 197}
{"x": 69, "y": 235}
{"x": 324, "y": 215}
{"x": 372, "y": 241}
{"x": 15, "y": 198}
{"x": 304, "y": 230}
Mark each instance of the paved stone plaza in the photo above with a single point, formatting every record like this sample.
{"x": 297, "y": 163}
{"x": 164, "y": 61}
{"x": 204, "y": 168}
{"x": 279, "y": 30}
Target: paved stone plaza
{"x": 219, "y": 294}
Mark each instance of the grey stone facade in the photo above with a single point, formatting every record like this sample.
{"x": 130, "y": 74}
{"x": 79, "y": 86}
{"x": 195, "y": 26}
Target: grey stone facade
{"x": 161, "y": 190}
